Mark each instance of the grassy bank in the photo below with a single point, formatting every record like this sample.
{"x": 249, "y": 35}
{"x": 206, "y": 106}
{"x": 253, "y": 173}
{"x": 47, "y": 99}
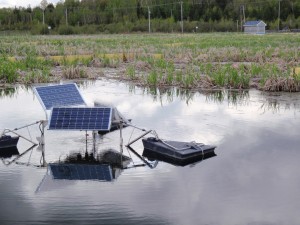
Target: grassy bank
{"x": 200, "y": 61}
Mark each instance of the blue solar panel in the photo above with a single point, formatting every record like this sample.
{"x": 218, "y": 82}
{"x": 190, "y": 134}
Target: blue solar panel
{"x": 81, "y": 118}
{"x": 59, "y": 95}
{"x": 81, "y": 171}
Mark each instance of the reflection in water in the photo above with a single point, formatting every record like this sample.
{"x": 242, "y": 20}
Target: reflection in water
{"x": 152, "y": 156}
{"x": 170, "y": 93}
{"x": 277, "y": 101}
{"x": 8, "y": 92}
{"x": 105, "y": 167}
{"x": 9, "y": 152}
{"x": 233, "y": 97}
{"x": 273, "y": 101}
{"x": 108, "y": 164}
{"x": 6, "y": 154}
{"x": 13, "y": 90}
{"x": 84, "y": 84}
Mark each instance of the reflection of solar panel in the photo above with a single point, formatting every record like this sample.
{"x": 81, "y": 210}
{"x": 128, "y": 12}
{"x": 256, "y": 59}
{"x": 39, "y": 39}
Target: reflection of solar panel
{"x": 81, "y": 171}
{"x": 59, "y": 95}
{"x": 81, "y": 118}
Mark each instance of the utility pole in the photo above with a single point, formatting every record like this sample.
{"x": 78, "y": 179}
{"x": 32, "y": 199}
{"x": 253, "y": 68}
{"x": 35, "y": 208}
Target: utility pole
{"x": 149, "y": 19}
{"x": 278, "y": 15}
{"x": 181, "y": 17}
{"x": 244, "y": 14}
{"x": 43, "y": 16}
{"x": 243, "y": 17}
{"x": 44, "y": 4}
{"x": 67, "y": 16}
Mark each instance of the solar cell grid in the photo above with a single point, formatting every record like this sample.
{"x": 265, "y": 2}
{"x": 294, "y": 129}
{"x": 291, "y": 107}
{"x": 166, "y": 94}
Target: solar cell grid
{"x": 81, "y": 118}
{"x": 59, "y": 95}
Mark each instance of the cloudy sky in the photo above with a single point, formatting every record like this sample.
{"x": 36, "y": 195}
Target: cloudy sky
{"x": 17, "y": 3}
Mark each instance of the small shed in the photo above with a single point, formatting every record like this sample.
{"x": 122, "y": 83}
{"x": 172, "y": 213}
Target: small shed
{"x": 255, "y": 27}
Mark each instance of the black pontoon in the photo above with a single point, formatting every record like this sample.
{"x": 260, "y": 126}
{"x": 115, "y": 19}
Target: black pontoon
{"x": 7, "y": 141}
{"x": 176, "y": 152}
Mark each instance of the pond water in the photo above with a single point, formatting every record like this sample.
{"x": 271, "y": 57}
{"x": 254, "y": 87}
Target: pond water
{"x": 254, "y": 179}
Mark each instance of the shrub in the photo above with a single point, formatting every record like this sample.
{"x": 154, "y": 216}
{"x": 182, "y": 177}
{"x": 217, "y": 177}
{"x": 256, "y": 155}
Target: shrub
{"x": 65, "y": 30}
{"x": 39, "y": 29}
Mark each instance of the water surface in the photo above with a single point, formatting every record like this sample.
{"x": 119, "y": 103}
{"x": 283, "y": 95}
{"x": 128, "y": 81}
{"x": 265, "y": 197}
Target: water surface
{"x": 254, "y": 179}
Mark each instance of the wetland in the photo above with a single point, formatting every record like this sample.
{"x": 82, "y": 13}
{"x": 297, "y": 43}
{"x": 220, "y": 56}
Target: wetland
{"x": 191, "y": 61}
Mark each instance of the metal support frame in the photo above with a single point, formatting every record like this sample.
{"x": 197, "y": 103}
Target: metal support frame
{"x": 136, "y": 153}
{"x": 138, "y": 138}
{"x": 6, "y": 130}
{"x": 41, "y": 140}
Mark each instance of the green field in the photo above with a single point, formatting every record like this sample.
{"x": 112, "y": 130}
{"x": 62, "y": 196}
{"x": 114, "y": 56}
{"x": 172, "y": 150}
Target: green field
{"x": 199, "y": 61}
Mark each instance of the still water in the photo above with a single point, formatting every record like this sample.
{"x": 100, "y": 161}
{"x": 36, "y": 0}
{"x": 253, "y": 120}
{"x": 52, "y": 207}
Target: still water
{"x": 254, "y": 179}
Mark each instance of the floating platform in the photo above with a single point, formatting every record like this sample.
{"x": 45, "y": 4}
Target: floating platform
{"x": 7, "y": 141}
{"x": 176, "y": 152}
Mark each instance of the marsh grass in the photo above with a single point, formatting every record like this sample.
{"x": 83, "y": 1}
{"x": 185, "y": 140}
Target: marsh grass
{"x": 8, "y": 72}
{"x": 229, "y": 76}
{"x": 188, "y": 80}
{"x": 131, "y": 73}
{"x": 221, "y": 62}
{"x": 282, "y": 84}
{"x": 152, "y": 78}
{"x": 36, "y": 76}
{"x": 74, "y": 72}
{"x": 256, "y": 70}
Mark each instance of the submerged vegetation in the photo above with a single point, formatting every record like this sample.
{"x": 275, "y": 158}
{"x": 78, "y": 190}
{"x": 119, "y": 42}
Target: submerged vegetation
{"x": 192, "y": 61}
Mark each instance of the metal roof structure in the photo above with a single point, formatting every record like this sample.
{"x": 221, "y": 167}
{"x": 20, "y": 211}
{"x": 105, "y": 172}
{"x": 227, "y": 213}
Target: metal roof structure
{"x": 254, "y": 23}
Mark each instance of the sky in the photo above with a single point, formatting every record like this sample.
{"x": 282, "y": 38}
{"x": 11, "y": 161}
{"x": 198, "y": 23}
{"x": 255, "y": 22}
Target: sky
{"x": 22, "y": 3}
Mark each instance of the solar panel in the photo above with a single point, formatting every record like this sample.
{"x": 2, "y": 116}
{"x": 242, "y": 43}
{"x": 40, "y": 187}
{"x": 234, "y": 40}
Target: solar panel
{"x": 81, "y": 171}
{"x": 81, "y": 118}
{"x": 59, "y": 95}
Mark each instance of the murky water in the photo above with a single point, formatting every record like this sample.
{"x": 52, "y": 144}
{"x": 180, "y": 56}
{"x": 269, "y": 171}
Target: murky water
{"x": 254, "y": 179}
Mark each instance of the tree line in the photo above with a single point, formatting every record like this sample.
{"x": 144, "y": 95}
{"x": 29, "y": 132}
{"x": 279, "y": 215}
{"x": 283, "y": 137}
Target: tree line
{"x": 116, "y": 16}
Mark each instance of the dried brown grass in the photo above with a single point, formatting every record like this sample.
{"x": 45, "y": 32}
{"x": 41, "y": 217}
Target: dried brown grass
{"x": 289, "y": 84}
